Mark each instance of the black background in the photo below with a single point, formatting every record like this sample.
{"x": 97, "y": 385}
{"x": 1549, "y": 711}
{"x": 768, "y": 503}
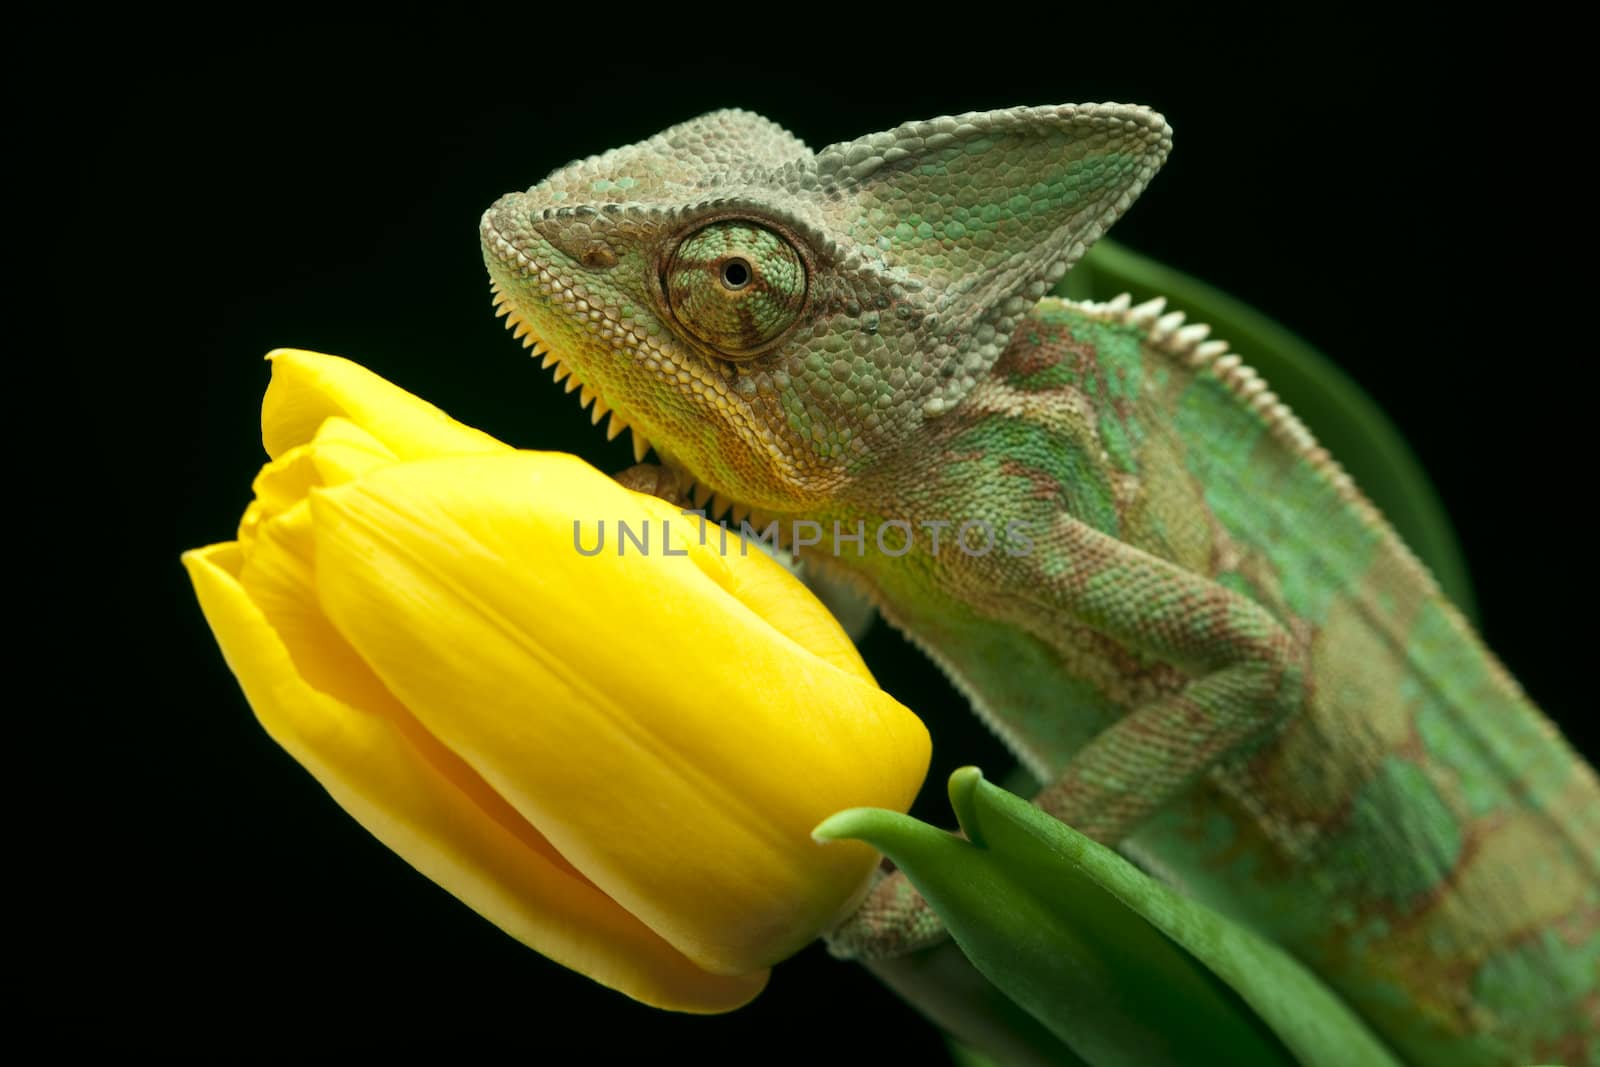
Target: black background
{"x": 1379, "y": 190}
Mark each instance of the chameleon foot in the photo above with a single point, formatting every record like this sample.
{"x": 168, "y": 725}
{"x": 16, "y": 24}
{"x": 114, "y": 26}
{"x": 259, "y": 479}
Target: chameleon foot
{"x": 656, "y": 480}
{"x": 892, "y": 921}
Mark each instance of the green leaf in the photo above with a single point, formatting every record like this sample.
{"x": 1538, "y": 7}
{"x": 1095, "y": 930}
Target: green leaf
{"x": 1119, "y": 967}
{"x": 1342, "y": 418}
{"x": 988, "y": 1026}
{"x": 962, "y": 1056}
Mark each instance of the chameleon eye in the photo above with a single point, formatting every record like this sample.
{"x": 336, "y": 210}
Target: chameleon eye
{"x": 736, "y": 286}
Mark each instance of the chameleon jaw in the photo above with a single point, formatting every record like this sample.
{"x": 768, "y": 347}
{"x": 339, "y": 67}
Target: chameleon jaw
{"x": 716, "y": 504}
{"x": 587, "y": 394}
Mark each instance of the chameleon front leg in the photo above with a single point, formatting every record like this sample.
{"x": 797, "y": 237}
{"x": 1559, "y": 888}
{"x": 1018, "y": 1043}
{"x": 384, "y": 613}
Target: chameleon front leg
{"x": 1245, "y": 674}
{"x": 656, "y": 480}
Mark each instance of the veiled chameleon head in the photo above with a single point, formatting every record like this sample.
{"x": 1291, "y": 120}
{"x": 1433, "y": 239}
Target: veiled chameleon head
{"x": 775, "y": 321}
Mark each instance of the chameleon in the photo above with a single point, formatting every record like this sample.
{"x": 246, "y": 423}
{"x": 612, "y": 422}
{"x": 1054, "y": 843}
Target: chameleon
{"x": 1133, "y": 560}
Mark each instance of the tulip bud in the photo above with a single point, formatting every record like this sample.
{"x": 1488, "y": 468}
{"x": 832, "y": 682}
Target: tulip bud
{"x": 616, "y": 758}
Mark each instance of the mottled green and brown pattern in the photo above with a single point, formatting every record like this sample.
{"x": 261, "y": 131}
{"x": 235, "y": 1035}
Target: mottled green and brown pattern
{"x": 736, "y": 287}
{"x": 1213, "y": 648}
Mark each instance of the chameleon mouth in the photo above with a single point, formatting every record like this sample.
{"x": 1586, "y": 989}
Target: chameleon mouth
{"x": 587, "y": 394}
{"x": 715, "y": 504}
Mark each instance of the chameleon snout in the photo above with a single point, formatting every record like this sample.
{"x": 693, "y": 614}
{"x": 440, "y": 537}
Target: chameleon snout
{"x": 521, "y": 235}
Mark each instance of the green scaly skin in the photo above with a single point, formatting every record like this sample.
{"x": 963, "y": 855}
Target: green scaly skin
{"x": 1190, "y": 624}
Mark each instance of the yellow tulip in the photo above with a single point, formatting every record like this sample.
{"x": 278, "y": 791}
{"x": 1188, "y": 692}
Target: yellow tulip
{"x": 618, "y": 760}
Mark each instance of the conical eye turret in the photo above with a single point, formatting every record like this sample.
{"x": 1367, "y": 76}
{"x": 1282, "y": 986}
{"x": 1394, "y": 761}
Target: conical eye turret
{"x": 736, "y": 286}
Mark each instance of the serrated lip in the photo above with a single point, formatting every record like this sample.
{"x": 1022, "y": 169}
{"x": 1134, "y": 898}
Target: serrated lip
{"x": 715, "y": 504}
{"x": 587, "y": 394}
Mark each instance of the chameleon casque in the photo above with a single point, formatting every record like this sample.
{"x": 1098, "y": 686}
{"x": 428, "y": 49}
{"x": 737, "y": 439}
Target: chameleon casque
{"x": 1189, "y": 622}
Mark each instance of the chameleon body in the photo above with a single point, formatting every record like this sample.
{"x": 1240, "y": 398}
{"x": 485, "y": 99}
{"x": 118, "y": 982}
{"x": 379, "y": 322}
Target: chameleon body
{"x": 1187, "y": 620}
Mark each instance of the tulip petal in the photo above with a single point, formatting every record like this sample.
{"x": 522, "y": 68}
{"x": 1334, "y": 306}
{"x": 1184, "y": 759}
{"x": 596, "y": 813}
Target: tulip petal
{"x": 687, "y": 798}
{"x": 341, "y": 450}
{"x": 768, "y": 589}
{"x": 316, "y": 699}
{"x": 308, "y": 387}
